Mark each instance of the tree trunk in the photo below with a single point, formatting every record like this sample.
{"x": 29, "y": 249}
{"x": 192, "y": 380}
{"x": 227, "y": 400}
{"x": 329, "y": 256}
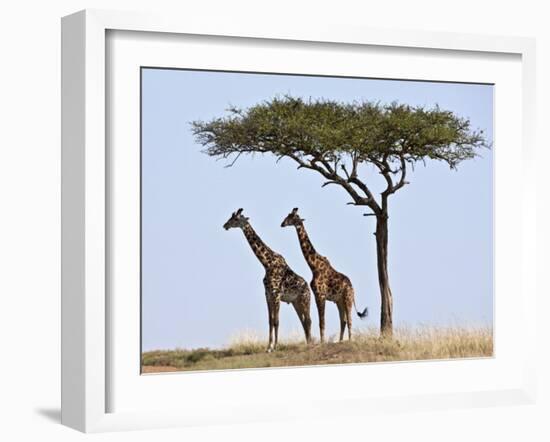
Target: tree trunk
{"x": 386, "y": 315}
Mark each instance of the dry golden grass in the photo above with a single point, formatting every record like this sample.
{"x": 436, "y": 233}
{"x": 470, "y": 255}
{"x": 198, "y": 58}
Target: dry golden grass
{"x": 247, "y": 350}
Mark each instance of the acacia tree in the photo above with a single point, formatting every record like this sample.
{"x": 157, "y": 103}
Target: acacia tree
{"x": 338, "y": 140}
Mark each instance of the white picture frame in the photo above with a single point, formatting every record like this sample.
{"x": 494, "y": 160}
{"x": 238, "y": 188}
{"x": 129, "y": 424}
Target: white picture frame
{"x": 87, "y": 360}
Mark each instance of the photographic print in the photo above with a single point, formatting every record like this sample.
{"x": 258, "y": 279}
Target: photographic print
{"x": 303, "y": 220}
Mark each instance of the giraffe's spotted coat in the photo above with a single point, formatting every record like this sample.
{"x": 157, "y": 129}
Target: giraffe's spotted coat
{"x": 327, "y": 283}
{"x": 280, "y": 281}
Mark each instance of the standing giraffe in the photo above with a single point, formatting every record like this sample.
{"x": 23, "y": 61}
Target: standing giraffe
{"x": 327, "y": 284}
{"x": 281, "y": 283}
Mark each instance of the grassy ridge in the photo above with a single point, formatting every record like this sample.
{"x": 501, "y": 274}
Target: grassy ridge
{"x": 248, "y": 350}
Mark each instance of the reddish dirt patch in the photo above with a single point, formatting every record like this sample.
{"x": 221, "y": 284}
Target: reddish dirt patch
{"x": 157, "y": 369}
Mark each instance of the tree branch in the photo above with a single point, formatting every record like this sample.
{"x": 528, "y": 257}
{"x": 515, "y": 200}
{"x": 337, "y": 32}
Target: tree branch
{"x": 234, "y": 160}
{"x": 326, "y": 164}
{"x": 363, "y": 187}
{"x": 352, "y": 178}
{"x": 312, "y": 166}
{"x": 343, "y": 167}
{"x": 401, "y": 182}
{"x": 385, "y": 171}
{"x": 333, "y": 178}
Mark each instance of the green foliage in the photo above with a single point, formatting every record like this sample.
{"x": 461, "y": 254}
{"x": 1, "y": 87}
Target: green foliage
{"x": 326, "y": 130}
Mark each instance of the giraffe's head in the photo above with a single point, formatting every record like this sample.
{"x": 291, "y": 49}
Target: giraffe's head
{"x": 292, "y": 219}
{"x": 237, "y": 220}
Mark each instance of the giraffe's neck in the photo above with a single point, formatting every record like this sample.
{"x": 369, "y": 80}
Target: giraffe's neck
{"x": 260, "y": 249}
{"x": 307, "y": 248}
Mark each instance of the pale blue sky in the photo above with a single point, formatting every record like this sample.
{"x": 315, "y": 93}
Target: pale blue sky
{"x": 202, "y": 284}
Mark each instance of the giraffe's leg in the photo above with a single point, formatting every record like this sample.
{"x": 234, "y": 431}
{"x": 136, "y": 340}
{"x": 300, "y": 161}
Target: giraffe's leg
{"x": 320, "y": 300}
{"x": 300, "y": 314}
{"x": 306, "y": 306}
{"x": 342, "y": 312}
{"x": 305, "y": 320}
{"x": 275, "y": 309}
{"x": 349, "y": 317}
{"x": 307, "y": 325}
{"x": 270, "y": 314}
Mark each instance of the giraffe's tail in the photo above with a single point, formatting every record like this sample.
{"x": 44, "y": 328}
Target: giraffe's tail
{"x": 363, "y": 314}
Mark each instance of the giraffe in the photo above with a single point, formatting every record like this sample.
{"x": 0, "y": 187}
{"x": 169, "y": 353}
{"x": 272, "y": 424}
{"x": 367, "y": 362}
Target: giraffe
{"x": 327, "y": 284}
{"x": 280, "y": 282}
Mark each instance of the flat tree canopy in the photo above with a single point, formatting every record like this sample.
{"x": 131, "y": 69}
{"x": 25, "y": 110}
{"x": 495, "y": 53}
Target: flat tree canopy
{"x": 335, "y": 138}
